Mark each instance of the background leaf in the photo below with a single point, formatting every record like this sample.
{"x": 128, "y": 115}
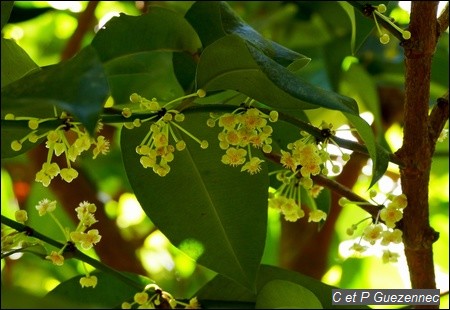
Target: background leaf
{"x": 15, "y": 62}
{"x": 204, "y": 202}
{"x": 285, "y": 294}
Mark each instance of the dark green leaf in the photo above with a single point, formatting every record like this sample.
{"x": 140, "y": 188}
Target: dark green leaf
{"x": 15, "y": 62}
{"x": 215, "y": 19}
{"x": 203, "y": 202}
{"x": 77, "y": 86}
{"x": 259, "y": 77}
{"x": 110, "y": 291}
{"x": 285, "y": 294}
{"x": 7, "y": 7}
{"x": 158, "y": 30}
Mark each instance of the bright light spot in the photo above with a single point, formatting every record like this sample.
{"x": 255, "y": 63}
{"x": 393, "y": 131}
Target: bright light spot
{"x": 367, "y": 169}
{"x": 348, "y": 61}
{"x": 14, "y": 32}
{"x": 156, "y": 261}
{"x": 368, "y": 117}
{"x": 66, "y": 26}
{"x": 185, "y": 265}
{"x": 50, "y": 283}
{"x": 156, "y": 240}
{"x": 73, "y": 6}
{"x": 394, "y": 136}
{"x": 105, "y": 19}
{"x": 406, "y": 5}
{"x": 130, "y": 211}
{"x": 386, "y": 184}
{"x": 15, "y": 256}
{"x": 345, "y": 132}
{"x": 333, "y": 275}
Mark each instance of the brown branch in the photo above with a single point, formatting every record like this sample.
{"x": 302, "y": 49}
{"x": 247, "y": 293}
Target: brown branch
{"x": 85, "y": 21}
{"x": 443, "y": 20}
{"x": 416, "y": 152}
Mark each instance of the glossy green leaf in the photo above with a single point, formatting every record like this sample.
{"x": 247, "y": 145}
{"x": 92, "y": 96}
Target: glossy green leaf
{"x": 77, "y": 86}
{"x": 15, "y": 62}
{"x": 259, "y": 77}
{"x": 158, "y": 30}
{"x": 7, "y": 7}
{"x": 222, "y": 289}
{"x": 204, "y": 202}
{"x": 110, "y": 291}
{"x": 379, "y": 155}
{"x": 137, "y": 53}
{"x": 149, "y": 74}
{"x": 215, "y": 19}
{"x": 285, "y": 294}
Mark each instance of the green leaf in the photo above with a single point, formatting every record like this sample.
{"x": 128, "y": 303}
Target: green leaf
{"x": 158, "y": 30}
{"x": 15, "y": 62}
{"x": 260, "y": 78}
{"x": 285, "y": 294}
{"x": 222, "y": 289}
{"x": 137, "y": 53}
{"x": 7, "y": 7}
{"x": 77, "y": 86}
{"x": 203, "y": 202}
{"x": 149, "y": 74}
{"x": 215, "y": 19}
{"x": 379, "y": 155}
{"x": 110, "y": 291}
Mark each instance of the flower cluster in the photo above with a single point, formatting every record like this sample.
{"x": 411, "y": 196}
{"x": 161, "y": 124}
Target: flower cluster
{"x": 287, "y": 199}
{"x": 79, "y": 237}
{"x": 385, "y": 232}
{"x": 242, "y": 129}
{"x": 309, "y": 155}
{"x": 156, "y": 149}
{"x": 154, "y": 297}
{"x": 59, "y": 143}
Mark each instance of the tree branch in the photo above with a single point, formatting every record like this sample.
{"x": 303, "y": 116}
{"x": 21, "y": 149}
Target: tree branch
{"x": 416, "y": 152}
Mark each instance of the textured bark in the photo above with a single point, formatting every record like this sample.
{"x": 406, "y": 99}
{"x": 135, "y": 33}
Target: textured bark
{"x": 417, "y": 148}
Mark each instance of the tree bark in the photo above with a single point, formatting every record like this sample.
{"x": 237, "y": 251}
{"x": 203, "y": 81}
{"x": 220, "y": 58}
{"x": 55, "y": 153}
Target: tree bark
{"x": 417, "y": 149}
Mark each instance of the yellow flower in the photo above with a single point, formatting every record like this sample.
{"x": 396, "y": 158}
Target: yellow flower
{"x": 141, "y": 298}
{"x": 234, "y": 156}
{"x": 101, "y": 146}
{"x": 390, "y": 257}
{"x": 394, "y": 236}
{"x": 372, "y": 233}
{"x": 253, "y": 166}
{"x": 57, "y": 259}
{"x": 45, "y": 206}
{"x": 68, "y": 174}
{"x": 288, "y": 161}
{"x": 317, "y": 216}
{"x": 390, "y": 215}
{"x": 88, "y": 281}
{"x": 89, "y": 239}
{"x": 21, "y": 216}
